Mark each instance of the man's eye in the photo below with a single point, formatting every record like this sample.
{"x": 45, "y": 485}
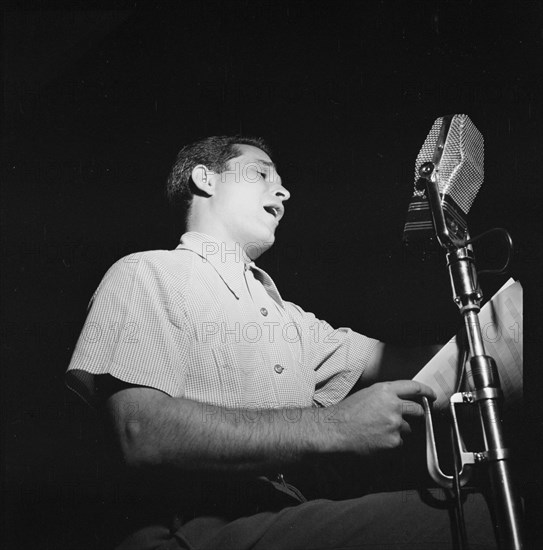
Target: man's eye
{"x": 263, "y": 174}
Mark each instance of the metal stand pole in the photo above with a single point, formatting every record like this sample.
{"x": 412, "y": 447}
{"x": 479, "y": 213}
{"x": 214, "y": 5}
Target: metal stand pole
{"x": 485, "y": 390}
{"x": 486, "y": 393}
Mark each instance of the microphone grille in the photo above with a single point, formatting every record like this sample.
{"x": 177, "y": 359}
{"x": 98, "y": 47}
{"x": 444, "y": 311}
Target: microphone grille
{"x": 460, "y": 171}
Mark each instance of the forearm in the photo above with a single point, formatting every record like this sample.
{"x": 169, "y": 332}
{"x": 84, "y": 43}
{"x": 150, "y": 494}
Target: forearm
{"x": 178, "y": 432}
{"x": 153, "y": 429}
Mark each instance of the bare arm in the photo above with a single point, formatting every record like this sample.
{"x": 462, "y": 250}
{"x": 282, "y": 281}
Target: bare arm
{"x": 152, "y": 428}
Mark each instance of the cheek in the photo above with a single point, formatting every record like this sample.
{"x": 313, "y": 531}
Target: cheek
{"x": 247, "y": 201}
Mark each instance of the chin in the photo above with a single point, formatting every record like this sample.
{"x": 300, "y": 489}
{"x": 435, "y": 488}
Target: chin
{"x": 257, "y": 247}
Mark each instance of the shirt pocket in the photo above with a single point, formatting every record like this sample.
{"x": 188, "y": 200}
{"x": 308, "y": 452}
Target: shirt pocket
{"x": 213, "y": 376}
{"x": 229, "y": 375}
{"x": 245, "y": 377}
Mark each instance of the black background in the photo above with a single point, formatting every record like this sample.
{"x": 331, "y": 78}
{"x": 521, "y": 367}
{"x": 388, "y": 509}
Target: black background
{"x": 97, "y": 103}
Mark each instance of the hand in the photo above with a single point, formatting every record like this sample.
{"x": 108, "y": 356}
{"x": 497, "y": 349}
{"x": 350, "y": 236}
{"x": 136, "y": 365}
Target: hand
{"x": 374, "y": 419}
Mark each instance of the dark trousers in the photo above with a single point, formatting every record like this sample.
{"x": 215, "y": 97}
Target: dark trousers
{"x": 396, "y": 520}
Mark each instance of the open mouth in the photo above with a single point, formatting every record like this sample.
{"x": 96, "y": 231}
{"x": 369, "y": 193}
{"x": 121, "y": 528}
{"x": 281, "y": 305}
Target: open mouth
{"x": 273, "y": 210}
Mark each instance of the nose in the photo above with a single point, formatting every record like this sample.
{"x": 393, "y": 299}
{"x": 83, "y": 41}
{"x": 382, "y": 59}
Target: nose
{"x": 282, "y": 193}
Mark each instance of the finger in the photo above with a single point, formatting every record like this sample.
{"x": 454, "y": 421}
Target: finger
{"x": 408, "y": 389}
{"x": 412, "y": 409}
{"x": 405, "y": 428}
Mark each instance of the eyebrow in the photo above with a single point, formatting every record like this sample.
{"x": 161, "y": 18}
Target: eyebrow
{"x": 266, "y": 163}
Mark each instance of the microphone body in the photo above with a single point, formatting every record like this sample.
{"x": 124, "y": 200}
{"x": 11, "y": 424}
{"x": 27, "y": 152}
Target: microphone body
{"x": 452, "y": 156}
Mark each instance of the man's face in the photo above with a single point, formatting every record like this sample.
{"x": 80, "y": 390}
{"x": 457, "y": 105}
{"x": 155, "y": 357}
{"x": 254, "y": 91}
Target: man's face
{"x": 248, "y": 200}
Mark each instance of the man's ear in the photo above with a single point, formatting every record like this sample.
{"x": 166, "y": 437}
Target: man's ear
{"x": 204, "y": 179}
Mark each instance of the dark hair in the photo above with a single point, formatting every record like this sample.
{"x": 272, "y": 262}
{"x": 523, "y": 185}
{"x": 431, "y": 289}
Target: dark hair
{"x": 213, "y": 152}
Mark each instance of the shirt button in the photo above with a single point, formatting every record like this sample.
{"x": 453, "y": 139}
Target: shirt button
{"x": 264, "y": 311}
{"x": 278, "y": 369}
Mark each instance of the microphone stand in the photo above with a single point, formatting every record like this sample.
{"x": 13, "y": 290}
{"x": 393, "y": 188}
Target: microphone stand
{"x": 484, "y": 383}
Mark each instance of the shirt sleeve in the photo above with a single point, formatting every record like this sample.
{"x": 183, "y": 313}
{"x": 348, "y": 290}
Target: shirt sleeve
{"x": 339, "y": 357}
{"x": 134, "y": 329}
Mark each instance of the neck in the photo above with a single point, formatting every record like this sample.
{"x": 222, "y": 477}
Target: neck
{"x": 202, "y": 221}
{"x": 243, "y": 252}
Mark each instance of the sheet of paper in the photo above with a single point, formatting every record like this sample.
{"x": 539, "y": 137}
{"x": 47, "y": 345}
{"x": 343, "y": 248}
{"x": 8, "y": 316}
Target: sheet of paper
{"x": 501, "y": 327}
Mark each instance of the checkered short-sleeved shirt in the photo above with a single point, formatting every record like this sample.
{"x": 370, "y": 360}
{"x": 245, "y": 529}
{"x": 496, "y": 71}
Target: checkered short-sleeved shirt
{"x": 197, "y": 322}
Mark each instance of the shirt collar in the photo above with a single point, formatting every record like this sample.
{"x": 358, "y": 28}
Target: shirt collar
{"x": 228, "y": 262}
{"x": 267, "y": 283}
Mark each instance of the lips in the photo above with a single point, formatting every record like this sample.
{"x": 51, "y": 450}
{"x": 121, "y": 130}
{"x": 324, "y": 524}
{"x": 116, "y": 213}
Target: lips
{"x": 274, "y": 210}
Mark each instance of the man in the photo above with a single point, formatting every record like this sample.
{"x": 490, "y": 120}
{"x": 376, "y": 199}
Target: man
{"x": 218, "y": 392}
